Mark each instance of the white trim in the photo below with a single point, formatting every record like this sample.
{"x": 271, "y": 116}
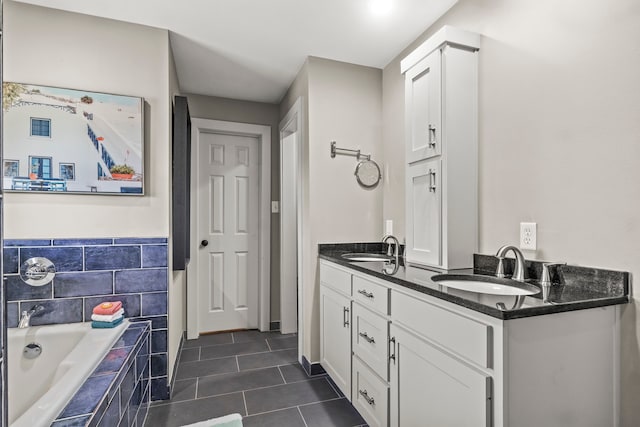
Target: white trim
{"x": 263, "y": 133}
{"x": 446, "y": 34}
{"x": 293, "y": 122}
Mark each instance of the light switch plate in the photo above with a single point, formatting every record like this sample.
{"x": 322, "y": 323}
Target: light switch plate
{"x": 275, "y": 206}
{"x": 528, "y": 237}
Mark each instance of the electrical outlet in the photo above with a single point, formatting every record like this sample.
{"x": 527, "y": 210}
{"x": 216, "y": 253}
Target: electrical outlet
{"x": 275, "y": 206}
{"x": 528, "y": 238}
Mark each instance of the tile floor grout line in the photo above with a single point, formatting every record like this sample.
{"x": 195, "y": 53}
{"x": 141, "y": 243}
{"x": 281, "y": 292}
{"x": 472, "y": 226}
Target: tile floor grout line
{"x": 199, "y": 354}
{"x": 281, "y": 374}
{"x": 302, "y": 416}
{"x": 268, "y": 346}
{"x": 237, "y": 363}
{"x": 252, "y": 369}
{"x": 244, "y": 399}
{"x": 295, "y": 406}
{"x": 196, "y": 395}
{"x": 235, "y": 355}
{"x": 334, "y": 389}
{"x": 191, "y": 400}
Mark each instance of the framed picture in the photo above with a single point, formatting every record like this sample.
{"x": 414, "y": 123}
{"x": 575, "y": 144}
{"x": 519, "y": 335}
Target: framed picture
{"x": 10, "y": 168}
{"x": 72, "y": 141}
{"x": 68, "y": 171}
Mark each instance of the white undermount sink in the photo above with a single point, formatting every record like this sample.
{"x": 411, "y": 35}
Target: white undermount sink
{"x": 485, "y": 284}
{"x": 364, "y": 256}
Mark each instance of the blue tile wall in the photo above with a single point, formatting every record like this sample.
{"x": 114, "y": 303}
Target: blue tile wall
{"x": 117, "y": 392}
{"x": 90, "y": 271}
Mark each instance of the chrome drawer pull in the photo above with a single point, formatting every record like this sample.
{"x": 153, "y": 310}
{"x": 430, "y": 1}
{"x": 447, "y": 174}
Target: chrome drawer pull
{"x": 365, "y": 394}
{"x": 392, "y": 340}
{"x": 432, "y": 136}
{"x": 369, "y": 339}
{"x": 365, "y": 293}
{"x": 345, "y": 317}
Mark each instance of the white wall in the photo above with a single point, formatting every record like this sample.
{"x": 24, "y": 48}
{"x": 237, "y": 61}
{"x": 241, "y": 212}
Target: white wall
{"x": 559, "y": 137}
{"x": 344, "y": 104}
{"x": 55, "y": 48}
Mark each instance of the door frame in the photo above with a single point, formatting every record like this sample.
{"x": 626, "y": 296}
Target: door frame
{"x": 263, "y": 133}
{"x": 293, "y": 122}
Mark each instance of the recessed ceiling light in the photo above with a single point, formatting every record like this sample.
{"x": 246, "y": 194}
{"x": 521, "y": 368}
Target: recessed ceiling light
{"x": 380, "y": 7}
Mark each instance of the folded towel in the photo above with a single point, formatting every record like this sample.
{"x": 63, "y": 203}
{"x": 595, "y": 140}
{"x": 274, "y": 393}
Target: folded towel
{"x": 104, "y": 318}
{"x": 107, "y": 308}
{"x": 233, "y": 420}
{"x": 106, "y": 325}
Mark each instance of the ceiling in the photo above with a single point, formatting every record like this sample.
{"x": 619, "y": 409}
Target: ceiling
{"x": 253, "y": 49}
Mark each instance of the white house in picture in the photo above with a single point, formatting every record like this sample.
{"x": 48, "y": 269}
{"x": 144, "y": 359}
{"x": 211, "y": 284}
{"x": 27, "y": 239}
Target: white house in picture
{"x": 56, "y": 142}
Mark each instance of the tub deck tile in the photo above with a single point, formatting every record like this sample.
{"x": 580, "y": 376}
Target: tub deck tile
{"x": 72, "y": 422}
{"x": 88, "y": 396}
{"x": 113, "y": 361}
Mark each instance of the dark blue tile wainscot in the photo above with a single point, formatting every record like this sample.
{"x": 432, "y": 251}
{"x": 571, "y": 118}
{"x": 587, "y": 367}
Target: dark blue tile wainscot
{"x": 112, "y": 257}
{"x": 64, "y": 258}
{"x": 115, "y": 392}
{"x": 154, "y": 256}
{"x": 91, "y": 271}
{"x": 145, "y": 280}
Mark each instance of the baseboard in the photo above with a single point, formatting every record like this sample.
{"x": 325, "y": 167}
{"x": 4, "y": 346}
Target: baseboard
{"x": 175, "y": 365}
{"x": 312, "y": 369}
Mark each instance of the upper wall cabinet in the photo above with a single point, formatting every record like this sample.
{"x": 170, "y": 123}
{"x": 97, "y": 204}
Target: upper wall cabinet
{"x": 441, "y": 114}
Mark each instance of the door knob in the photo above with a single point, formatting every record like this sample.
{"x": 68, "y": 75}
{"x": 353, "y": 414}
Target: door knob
{"x": 204, "y": 243}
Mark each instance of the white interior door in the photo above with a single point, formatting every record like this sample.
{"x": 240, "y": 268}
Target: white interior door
{"x": 228, "y": 231}
{"x": 289, "y": 235}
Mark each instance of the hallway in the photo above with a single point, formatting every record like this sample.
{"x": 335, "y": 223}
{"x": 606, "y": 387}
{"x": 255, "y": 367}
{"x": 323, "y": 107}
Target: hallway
{"x": 256, "y": 375}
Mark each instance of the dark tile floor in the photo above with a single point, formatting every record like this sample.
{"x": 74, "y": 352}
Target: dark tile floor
{"x": 255, "y": 374}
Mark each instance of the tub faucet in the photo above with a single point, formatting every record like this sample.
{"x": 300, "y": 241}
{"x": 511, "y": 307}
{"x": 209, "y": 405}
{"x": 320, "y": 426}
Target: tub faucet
{"x": 395, "y": 241}
{"x": 26, "y": 315}
{"x": 518, "y": 272}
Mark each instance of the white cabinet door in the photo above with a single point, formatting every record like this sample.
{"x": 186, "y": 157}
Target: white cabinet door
{"x": 424, "y": 212}
{"x": 429, "y": 388}
{"x": 335, "y": 337}
{"x": 423, "y": 104}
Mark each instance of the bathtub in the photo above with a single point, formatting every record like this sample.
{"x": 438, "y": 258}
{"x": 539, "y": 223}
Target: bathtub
{"x": 40, "y": 388}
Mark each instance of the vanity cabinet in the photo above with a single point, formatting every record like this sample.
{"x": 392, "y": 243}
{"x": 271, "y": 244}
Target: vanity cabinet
{"x": 404, "y": 358}
{"x": 441, "y": 150}
{"x": 335, "y": 325}
{"x": 435, "y": 380}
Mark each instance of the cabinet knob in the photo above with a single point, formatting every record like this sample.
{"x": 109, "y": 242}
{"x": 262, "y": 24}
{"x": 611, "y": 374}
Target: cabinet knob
{"x": 204, "y": 243}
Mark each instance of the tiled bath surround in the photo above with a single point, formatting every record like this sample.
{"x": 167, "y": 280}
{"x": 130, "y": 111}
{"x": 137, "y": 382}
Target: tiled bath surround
{"x": 117, "y": 392}
{"x": 132, "y": 270}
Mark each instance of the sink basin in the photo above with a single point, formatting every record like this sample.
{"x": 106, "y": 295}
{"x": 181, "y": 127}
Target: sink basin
{"x": 366, "y": 257}
{"x": 485, "y": 284}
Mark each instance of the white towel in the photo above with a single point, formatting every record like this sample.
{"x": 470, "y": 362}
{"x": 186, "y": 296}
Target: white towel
{"x": 108, "y": 318}
{"x": 233, "y": 420}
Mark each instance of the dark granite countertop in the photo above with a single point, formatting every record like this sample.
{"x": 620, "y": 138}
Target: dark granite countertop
{"x": 574, "y": 288}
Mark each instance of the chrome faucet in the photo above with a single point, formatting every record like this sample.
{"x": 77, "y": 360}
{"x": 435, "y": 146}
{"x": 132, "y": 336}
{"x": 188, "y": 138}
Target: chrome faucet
{"x": 518, "y": 272}
{"x": 26, "y": 315}
{"x": 545, "y": 280}
{"x": 395, "y": 242}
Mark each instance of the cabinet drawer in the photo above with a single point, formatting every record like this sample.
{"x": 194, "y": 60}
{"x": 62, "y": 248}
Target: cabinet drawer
{"x": 371, "y": 294}
{"x": 466, "y": 337}
{"x": 336, "y": 278}
{"x": 370, "y": 340}
{"x": 370, "y": 395}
